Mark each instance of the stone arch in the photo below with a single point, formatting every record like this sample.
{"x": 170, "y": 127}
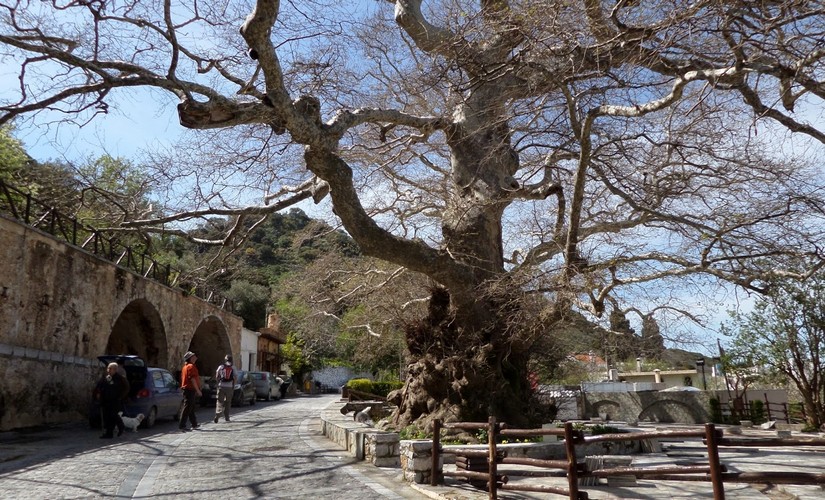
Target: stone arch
{"x": 139, "y": 330}
{"x": 211, "y": 344}
{"x": 669, "y": 411}
{"x": 607, "y": 409}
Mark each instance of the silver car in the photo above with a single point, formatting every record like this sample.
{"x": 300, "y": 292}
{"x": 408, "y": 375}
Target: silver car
{"x": 267, "y": 385}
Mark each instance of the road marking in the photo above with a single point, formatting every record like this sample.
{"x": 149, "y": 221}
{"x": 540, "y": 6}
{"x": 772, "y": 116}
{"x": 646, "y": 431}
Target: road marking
{"x": 142, "y": 478}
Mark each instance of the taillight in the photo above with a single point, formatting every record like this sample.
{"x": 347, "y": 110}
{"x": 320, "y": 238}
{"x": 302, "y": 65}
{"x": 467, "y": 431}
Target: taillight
{"x": 143, "y": 393}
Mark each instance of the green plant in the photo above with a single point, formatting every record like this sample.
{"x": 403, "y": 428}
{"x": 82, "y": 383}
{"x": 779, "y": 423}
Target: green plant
{"x": 604, "y": 429}
{"x": 413, "y": 432}
{"x": 577, "y": 426}
{"x": 716, "y": 411}
{"x": 810, "y": 428}
{"x": 377, "y": 388}
{"x": 758, "y": 412}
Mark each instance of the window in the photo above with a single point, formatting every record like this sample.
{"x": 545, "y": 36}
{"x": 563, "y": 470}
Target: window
{"x": 157, "y": 380}
{"x": 169, "y": 381}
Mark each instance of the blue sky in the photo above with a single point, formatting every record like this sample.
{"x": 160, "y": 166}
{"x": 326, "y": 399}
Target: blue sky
{"x": 147, "y": 119}
{"x": 140, "y": 119}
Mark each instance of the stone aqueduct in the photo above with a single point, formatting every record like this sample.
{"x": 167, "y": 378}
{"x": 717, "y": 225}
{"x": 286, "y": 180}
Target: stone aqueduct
{"x": 61, "y": 307}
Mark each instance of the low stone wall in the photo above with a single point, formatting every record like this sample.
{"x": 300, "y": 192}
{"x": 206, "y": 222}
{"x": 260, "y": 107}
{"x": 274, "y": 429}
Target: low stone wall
{"x": 384, "y": 449}
{"x": 380, "y": 448}
{"x": 416, "y": 456}
{"x": 417, "y": 460}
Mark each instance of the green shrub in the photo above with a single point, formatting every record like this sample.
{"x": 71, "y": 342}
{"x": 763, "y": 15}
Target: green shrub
{"x": 810, "y": 428}
{"x": 604, "y": 429}
{"x": 412, "y": 432}
{"x": 758, "y": 412}
{"x": 377, "y": 388}
{"x": 716, "y": 411}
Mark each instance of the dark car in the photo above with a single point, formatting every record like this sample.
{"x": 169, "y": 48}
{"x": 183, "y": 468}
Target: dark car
{"x": 244, "y": 389}
{"x": 209, "y": 391}
{"x": 154, "y": 392}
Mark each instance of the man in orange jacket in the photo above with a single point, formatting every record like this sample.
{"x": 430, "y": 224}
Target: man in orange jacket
{"x": 190, "y": 382}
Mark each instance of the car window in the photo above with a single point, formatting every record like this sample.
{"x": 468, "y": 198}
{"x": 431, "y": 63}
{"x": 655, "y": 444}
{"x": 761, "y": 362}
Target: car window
{"x": 157, "y": 380}
{"x": 169, "y": 381}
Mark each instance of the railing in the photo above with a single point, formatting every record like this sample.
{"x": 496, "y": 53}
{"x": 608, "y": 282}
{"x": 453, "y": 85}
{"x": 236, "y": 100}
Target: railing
{"x": 473, "y": 462}
{"x": 40, "y": 215}
{"x": 771, "y": 411}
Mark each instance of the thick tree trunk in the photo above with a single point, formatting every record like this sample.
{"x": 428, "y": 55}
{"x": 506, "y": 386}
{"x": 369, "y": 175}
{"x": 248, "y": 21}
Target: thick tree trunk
{"x": 468, "y": 361}
{"x": 463, "y": 372}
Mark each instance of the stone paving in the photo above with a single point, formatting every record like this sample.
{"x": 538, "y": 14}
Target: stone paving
{"x": 693, "y": 452}
{"x": 270, "y": 450}
{"x": 276, "y": 450}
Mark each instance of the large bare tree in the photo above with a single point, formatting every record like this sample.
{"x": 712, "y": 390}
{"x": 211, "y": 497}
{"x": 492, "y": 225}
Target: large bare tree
{"x": 529, "y": 157}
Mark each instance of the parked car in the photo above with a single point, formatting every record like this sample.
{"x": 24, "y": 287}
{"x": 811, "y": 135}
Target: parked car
{"x": 244, "y": 389}
{"x": 267, "y": 385}
{"x": 154, "y": 392}
{"x": 209, "y": 391}
{"x": 286, "y": 382}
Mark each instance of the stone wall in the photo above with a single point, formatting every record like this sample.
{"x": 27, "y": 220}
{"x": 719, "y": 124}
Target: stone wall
{"x": 61, "y": 307}
{"x": 649, "y": 406}
{"x": 377, "y": 447}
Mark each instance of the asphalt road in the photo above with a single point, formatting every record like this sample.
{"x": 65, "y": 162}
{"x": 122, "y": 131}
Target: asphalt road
{"x": 270, "y": 450}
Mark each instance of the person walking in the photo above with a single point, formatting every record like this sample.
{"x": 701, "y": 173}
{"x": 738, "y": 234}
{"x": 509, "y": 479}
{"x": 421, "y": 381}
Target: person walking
{"x": 190, "y": 382}
{"x": 226, "y": 377}
{"x": 111, "y": 391}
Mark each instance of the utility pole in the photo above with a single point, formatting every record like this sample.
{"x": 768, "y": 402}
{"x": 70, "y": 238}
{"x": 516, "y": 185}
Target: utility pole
{"x": 700, "y": 363}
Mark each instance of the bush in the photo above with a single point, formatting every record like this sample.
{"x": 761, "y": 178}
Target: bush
{"x": 758, "y": 412}
{"x": 716, "y": 411}
{"x": 604, "y": 429}
{"x": 411, "y": 431}
{"x": 377, "y": 388}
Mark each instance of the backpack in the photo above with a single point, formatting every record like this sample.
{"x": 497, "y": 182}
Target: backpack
{"x": 226, "y": 373}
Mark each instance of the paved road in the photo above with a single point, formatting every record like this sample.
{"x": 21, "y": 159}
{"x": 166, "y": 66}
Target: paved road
{"x": 276, "y": 450}
{"x": 270, "y": 450}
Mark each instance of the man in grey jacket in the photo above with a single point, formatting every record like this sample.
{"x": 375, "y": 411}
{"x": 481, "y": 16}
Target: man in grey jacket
{"x": 225, "y": 375}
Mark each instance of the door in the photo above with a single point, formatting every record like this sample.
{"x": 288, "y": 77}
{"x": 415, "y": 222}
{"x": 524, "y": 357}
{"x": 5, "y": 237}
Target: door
{"x": 167, "y": 396}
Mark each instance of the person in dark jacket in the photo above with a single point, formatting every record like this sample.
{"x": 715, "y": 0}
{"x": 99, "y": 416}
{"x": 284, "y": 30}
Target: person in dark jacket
{"x": 111, "y": 391}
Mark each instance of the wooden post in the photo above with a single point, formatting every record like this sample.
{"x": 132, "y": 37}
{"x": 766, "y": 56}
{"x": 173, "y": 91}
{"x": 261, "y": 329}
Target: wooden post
{"x": 767, "y": 406}
{"x": 713, "y": 462}
{"x": 492, "y": 427}
{"x": 572, "y": 465}
{"x": 435, "y": 452}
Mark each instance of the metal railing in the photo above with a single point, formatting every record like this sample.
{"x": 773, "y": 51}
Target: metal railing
{"x": 35, "y": 213}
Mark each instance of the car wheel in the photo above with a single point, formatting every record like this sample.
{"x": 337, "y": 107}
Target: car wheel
{"x": 150, "y": 419}
{"x": 269, "y": 395}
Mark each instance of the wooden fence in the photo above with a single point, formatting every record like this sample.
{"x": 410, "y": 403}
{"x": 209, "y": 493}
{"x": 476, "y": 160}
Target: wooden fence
{"x": 470, "y": 462}
{"x": 769, "y": 411}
